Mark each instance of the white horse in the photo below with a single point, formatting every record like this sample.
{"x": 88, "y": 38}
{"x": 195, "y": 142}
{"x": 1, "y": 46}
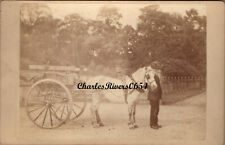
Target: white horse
{"x": 142, "y": 75}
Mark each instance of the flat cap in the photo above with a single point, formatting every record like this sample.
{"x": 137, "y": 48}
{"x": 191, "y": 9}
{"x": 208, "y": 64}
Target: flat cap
{"x": 156, "y": 65}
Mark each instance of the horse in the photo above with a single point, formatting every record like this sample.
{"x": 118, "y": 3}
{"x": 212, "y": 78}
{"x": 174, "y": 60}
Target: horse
{"x": 130, "y": 96}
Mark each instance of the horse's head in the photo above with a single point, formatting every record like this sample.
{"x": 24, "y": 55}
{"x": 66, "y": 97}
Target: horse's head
{"x": 141, "y": 74}
{"x": 146, "y": 75}
{"x": 150, "y": 76}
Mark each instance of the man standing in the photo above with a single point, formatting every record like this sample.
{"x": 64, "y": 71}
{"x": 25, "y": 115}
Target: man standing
{"x": 154, "y": 97}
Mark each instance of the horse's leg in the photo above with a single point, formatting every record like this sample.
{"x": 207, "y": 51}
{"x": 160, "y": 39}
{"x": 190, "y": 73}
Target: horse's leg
{"x": 134, "y": 112}
{"x": 93, "y": 116}
{"x": 130, "y": 113}
{"x": 94, "y": 111}
{"x": 98, "y": 119}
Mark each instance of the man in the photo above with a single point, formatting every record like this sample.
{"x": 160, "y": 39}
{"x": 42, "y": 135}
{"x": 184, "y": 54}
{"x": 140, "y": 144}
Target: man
{"x": 154, "y": 97}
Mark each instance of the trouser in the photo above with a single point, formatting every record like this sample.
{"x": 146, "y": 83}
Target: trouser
{"x": 154, "y": 112}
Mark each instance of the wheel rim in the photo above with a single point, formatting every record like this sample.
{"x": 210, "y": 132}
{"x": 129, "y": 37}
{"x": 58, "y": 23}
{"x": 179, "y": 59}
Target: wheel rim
{"x": 48, "y": 103}
{"x": 78, "y": 105}
{"x": 77, "y": 108}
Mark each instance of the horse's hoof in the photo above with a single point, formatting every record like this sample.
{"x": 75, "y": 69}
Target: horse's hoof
{"x": 96, "y": 125}
{"x": 131, "y": 126}
{"x": 101, "y": 124}
{"x": 135, "y": 126}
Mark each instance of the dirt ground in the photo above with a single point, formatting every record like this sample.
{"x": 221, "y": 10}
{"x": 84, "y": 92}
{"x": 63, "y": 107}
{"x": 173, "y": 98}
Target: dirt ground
{"x": 184, "y": 120}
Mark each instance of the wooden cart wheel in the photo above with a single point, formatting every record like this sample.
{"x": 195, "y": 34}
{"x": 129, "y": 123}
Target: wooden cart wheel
{"x": 48, "y": 103}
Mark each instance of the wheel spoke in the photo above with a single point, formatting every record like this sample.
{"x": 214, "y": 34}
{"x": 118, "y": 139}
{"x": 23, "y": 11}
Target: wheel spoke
{"x": 77, "y": 105}
{"x": 39, "y": 114}
{"x": 52, "y": 108}
{"x": 62, "y": 112}
{"x": 54, "y": 113}
{"x": 67, "y": 108}
{"x": 50, "y": 114}
{"x": 57, "y": 108}
{"x": 77, "y": 110}
{"x": 36, "y": 104}
{"x": 36, "y": 109}
{"x": 45, "y": 117}
{"x": 74, "y": 112}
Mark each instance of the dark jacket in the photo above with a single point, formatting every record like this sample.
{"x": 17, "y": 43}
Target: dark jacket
{"x": 157, "y": 93}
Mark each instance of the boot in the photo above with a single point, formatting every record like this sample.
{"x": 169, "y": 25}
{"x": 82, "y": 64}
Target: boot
{"x": 154, "y": 127}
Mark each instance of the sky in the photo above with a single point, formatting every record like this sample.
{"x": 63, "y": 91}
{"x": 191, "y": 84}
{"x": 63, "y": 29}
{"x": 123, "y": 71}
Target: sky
{"x": 130, "y": 12}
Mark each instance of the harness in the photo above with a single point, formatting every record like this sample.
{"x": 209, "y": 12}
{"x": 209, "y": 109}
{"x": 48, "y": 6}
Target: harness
{"x": 139, "y": 90}
{"x": 126, "y": 90}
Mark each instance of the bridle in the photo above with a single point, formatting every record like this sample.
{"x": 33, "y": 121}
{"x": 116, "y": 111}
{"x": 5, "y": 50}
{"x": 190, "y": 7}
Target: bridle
{"x": 133, "y": 80}
{"x": 147, "y": 77}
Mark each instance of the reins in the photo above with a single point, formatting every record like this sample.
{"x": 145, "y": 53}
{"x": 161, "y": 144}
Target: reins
{"x": 139, "y": 90}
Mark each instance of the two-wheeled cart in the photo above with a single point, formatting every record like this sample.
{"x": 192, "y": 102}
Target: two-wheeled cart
{"x": 54, "y": 99}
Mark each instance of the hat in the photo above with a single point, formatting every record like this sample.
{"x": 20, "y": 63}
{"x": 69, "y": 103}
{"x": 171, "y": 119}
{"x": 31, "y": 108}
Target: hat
{"x": 156, "y": 65}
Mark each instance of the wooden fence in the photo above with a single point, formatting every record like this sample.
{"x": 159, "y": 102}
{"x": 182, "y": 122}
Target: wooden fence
{"x": 178, "y": 88}
{"x": 174, "y": 84}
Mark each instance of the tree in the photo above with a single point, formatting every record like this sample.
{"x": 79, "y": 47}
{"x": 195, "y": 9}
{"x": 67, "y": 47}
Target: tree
{"x": 154, "y": 29}
{"x": 38, "y": 34}
{"x": 164, "y": 36}
{"x": 174, "y": 40}
{"x": 110, "y": 16}
{"x": 31, "y": 13}
{"x": 72, "y": 32}
{"x": 195, "y": 44}
{"x": 104, "y": 40}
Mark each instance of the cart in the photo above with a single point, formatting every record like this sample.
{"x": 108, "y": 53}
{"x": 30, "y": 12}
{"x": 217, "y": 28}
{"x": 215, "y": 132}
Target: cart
{"x": 53, "y": 98}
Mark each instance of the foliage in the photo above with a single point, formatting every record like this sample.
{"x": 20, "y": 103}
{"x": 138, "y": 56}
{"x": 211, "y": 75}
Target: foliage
{"x": 177, "y": 42}
{"x": 171, "y": 36}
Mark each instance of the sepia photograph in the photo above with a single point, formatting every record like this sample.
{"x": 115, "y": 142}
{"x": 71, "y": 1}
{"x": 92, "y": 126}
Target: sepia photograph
{"x": 63, "y": 45}
{"x": 112, "y": 72}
